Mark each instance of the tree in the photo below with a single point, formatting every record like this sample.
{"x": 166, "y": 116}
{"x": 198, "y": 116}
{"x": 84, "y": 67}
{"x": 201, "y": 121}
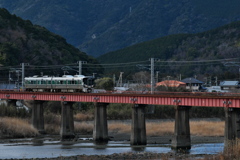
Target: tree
{"x": 104, "y": 83}
{"x": 142, "y": 77}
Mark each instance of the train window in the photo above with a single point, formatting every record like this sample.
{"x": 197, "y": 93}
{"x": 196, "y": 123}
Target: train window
{"x": 53, "y": 82}
{"x": 48, "y": 82}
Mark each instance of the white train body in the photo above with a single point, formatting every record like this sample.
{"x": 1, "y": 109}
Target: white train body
{"x": 66, "y": 83}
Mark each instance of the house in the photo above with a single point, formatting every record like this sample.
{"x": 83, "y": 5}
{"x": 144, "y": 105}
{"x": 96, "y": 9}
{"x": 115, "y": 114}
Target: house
{"x": 7, "y": 86}
{"x": 171, "y": 83}
{"x": 193, "y": 84}
{"x": 229, "y": 85}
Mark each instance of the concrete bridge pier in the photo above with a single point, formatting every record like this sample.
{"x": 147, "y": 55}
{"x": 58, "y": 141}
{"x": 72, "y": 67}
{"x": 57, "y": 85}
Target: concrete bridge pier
{"x": 100, "y": 130}
{"x": 37, "y": 116}
{"x": 138, "y": 128}
{"x": 181, "y": 138}
{"x": 67, "y": 123}
{"x": 232, "y": 126}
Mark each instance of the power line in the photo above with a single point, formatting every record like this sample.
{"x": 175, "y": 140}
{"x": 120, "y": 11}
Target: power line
{"x": 128, "y": 64}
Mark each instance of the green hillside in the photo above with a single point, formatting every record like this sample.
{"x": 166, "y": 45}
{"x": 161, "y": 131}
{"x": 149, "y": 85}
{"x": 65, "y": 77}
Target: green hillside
{"x": 21, "y": 41}
{"x": 218, "y": 44}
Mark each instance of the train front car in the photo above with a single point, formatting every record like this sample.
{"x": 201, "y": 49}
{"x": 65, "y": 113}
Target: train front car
{"x": 87, "y": 82}
{"x": 66, "y": 83}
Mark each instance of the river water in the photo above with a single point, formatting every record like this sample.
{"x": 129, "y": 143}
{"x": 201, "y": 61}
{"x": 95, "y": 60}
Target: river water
{"x": 48, "y": 148}
{"x": 51, "y": 147}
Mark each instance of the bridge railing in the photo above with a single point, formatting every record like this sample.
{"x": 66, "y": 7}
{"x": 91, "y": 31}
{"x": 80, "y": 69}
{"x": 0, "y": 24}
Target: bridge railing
{"x": 174, "y": 93}
{"x": 150, "y": 93}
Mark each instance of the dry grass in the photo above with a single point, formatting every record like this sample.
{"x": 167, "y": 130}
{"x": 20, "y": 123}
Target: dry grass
{"x": 83, "y": 128}
{"x": 198, "y": 128}
{"x": 52, "y": 128}
{"x": 158, "y": 129}
{"x": 206, "y": 128}
{"x": 16, "y": 128}
{"x": 52, "y": 123}
{"x": 83, "y": 117}
{"x": 119, "y": 127}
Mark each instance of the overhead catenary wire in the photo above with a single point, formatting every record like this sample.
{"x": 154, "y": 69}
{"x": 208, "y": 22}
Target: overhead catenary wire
{"x": 127, "y": 64}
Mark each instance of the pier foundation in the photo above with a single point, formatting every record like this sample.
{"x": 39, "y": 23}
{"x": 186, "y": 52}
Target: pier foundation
{"x": 138, "y": 128}
{"x": 181, "y": 138}
{"x": 67, "y": 123}
{"x": 37, "y": 116}
{"x": 100, "y": 130}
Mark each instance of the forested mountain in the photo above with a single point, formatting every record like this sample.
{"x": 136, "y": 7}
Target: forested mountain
{"x": 23, "y": 42}
{"x": 101, "y": 26}
{"x": 215, "y": 52}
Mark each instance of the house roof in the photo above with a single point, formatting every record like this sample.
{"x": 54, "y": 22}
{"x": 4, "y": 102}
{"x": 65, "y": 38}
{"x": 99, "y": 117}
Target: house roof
{"x": 229, "y": 83}
{"x": 191, "y": 80}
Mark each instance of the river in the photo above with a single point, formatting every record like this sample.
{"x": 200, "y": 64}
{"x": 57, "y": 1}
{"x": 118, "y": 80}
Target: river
{"x": 46, "y": 147}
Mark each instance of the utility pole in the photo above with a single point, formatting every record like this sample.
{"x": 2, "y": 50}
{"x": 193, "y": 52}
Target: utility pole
{"x": 114, "y": 80}
{"x": 210, "y": 81}
{"x": 157, "y": 76}
{"x": 152, "y": 73}
{"x": 9, "y": 78}
{"x": 23, "y": 74}
{"x": 80, "y": 66}
{"x": 94, "y": 75}
{"x": 216, "y": 81}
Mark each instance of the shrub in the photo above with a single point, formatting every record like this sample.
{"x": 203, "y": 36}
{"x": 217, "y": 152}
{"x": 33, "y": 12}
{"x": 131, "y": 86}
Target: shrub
{"x": 52, "y": 123}
{"x": 12, "y": 111}
{"x": 119, "y": 111}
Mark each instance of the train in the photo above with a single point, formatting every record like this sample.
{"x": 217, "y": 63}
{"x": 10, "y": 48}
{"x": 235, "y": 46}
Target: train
{"x": 66, "y": 83}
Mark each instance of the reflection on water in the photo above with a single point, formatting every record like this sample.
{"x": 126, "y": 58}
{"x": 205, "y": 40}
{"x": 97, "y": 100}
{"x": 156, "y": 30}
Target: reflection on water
{"x": 37, "y": 142}
{"x": 138, "y": 149}
{"x": 47, "y": 148}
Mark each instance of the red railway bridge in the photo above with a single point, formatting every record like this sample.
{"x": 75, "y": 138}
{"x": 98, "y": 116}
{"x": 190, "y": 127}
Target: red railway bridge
{"x": 182, "y": 102}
